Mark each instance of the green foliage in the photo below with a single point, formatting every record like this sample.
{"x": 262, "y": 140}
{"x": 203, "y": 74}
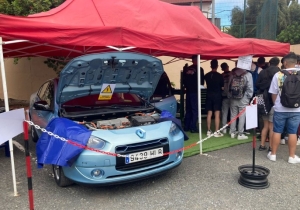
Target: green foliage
{"x": 291, "y": 34}
{"x": 56, "y": 63}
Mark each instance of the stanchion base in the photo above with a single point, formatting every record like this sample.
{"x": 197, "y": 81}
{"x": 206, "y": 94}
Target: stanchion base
{"x": 256, "y": 179}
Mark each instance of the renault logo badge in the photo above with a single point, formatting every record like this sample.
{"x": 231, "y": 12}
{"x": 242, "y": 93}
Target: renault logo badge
{"x": 296, "y": 105}
{"x": 140, "y": 133}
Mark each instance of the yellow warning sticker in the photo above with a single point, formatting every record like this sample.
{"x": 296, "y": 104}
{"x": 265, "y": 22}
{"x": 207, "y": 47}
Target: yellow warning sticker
{"x": 107, "y": 91}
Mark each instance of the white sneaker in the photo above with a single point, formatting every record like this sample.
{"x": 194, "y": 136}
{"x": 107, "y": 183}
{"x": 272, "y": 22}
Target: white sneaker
{"x": 224, "y": 131}
{"x": 218, "y": 134}
{"x": 233, "y": 135}
{"x": 282, "y": 141}
{"x": 298, "y": 141}
{"x": 296, "y": 159}
{"x": 209, "y": 133}
{"x": 242, "y": 137}
{"x": 271, "y": 157}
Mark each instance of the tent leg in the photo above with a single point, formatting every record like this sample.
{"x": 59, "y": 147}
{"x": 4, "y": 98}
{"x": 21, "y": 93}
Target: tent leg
{"x": 199, "y": 103}
{"x": 7, "y": 109}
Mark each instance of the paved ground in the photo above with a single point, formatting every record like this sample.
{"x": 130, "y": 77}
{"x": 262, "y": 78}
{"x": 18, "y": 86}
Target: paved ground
{"x": 201, "y": 182}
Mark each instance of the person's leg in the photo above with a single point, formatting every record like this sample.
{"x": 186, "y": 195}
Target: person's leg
{"x": 233, "y": 114}
{"x": 208, "y": 120}
{"x": 279, "y": 121}
{"x": 292, "y": 129}
{"x": 194, "y": 108}
{"x": 264, "y": 131}
{"x": 225, "y": 108}
{"x": 217, "y": 120}
{"x": 188, "y": 113}
{"x": 242, "y": 119}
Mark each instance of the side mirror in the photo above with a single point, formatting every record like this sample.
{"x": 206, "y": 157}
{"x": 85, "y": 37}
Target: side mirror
{"x": 41, "y": 105}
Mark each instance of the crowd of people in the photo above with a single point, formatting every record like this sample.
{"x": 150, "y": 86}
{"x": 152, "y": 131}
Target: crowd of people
{"x": 230, "y": 92}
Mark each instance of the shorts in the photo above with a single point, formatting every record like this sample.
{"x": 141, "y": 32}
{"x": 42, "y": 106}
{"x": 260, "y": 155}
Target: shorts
{"x": 290, "y": 120}
{"x": 269, "y": 116}
{"x": 213, "y": 102}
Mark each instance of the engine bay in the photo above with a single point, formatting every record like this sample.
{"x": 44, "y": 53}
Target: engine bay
{"x": 133, "y": 120}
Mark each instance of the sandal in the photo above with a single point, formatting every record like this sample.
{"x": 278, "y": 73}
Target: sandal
{"x": 261, "y": 148}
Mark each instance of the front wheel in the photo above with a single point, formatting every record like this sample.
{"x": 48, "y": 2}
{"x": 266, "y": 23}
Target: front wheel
{"x": 60, "y": 178}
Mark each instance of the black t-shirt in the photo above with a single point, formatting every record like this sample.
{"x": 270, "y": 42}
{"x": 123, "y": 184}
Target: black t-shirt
{"x": 214, "y": 82}
{"x": 190, "y": 81}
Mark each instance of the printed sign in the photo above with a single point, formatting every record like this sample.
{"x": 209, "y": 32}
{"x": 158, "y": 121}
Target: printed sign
{"x": 251, "y": 116}
{"x": 107, "y": 91}
{"x": 245, "y": 62}
{"x": 11, "y": 124}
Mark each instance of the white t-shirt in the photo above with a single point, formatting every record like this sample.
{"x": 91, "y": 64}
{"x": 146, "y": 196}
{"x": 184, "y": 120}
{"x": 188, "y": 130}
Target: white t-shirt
{"x": 274, "y": 89}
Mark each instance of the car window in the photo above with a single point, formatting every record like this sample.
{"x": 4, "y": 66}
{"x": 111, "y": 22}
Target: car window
{"x": 46, "y": 93}
{"x": 163, "y": 88}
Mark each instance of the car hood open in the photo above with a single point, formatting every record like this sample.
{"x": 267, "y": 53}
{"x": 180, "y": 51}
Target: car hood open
{"x": 130, "y": 72}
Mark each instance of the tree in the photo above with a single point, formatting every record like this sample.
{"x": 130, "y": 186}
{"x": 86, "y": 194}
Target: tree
{"x": 291, "y": 34}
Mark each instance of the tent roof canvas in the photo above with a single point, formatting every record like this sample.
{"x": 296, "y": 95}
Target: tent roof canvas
{"x": 154, "y": 27}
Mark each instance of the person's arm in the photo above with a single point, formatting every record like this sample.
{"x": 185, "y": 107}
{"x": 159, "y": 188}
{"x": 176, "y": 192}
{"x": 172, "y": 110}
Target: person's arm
{"x": 274, "y": 89}
{"x": 249, "y": 87}
{"x": 202, "y": 75}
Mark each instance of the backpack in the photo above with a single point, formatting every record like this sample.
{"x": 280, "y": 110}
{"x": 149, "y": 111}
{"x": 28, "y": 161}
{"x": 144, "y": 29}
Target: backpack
{"x": 290, "y": 90}
{"x": 237, "y": 86}
{"x": 263, "y": 103}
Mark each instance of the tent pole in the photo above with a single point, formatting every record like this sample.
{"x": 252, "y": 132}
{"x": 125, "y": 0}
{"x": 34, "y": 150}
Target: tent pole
{"x": 199, "y": 102}
{"x": 7, "y": 109}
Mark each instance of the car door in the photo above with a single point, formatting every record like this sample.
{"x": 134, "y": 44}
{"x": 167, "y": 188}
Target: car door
{"x": 163, "y": 97}
{"x": 45, "y": 94}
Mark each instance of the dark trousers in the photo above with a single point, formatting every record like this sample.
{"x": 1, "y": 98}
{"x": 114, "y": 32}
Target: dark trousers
{"x": 191, "y": 113}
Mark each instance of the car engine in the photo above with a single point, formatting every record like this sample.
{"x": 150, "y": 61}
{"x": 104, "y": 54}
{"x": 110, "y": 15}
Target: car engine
{"x": 138, "y": 119}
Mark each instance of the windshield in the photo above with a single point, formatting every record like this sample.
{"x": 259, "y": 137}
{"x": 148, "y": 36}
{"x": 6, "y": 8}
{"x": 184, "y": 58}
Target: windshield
{"x": 92, "y": 102}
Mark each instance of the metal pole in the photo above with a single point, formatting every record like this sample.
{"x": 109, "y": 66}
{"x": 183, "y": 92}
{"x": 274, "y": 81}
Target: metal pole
{"x": 244, "y": 21}
{"x": 199, "y": 102}
{"x": 213, "y": 12}
{"x": 7, "y": 109}
{"x": 201, "y": 5}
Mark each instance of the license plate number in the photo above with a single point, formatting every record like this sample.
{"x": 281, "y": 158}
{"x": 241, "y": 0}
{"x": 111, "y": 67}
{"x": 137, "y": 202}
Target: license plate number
{"x": 144, "y": 155}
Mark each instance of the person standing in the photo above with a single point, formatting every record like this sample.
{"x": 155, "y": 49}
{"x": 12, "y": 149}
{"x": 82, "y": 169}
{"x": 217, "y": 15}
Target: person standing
{"x": 284, "y": 116}
{"x": 190, "y": 81}
{"x": 215, "y": 84}
{"x": 263, "y": 85}
{"x": 240, "y": 91}
{"x": 225, "y": 100}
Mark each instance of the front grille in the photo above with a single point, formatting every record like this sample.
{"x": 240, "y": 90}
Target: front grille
{"x": 139, "y": 147}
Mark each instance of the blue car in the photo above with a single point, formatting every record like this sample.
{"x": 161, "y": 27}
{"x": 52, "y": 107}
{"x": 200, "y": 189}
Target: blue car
{"x": 119, "y": 96}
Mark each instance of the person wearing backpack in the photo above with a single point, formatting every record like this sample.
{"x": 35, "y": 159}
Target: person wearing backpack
{"x": 285, "y": 90}
{"x": 264, "y": 103}
{"x": 240, "y": 91}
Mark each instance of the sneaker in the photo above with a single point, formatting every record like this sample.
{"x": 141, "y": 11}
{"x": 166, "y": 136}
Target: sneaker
{"x": 298, "y": 141}
{"x": 218, "y": 134}
{"x": 271, "y": 157}
{"x": 261, "y": 148}
{"x": 296, "y": 159}
{"x": 209, "y": 133}
{"x": 282, "y": 141}
{"x": 233, "y": 135}
{"x": 242, "y": 137}
{"x": 224, "y": 131}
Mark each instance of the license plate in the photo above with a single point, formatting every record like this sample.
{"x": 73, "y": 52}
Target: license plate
{"x": 144, "y": 155}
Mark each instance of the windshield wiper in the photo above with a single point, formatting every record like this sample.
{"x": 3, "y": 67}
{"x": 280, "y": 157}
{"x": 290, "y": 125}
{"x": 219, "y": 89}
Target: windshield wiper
{"x": 78, "y": 106}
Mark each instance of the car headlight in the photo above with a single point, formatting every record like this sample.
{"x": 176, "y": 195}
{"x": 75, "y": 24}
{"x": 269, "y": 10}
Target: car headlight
{"x": 174, "y": 130}
{"x": 95, "y": 142}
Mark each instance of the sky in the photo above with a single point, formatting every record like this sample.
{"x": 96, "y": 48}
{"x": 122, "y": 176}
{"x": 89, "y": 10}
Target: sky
{"x": 223, "y": 9}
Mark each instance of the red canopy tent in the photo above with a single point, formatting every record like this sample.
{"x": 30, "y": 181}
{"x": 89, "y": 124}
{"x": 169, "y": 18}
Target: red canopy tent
{"x": 79, "y": 27}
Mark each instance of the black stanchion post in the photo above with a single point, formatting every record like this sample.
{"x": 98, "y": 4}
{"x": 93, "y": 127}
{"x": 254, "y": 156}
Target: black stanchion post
{"x": 28, "y": 166}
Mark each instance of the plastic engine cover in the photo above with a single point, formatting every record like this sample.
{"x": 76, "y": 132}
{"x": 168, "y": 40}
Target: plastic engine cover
{"x": 142, "y": 120}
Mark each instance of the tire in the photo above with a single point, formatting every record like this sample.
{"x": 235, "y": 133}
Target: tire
{"x": 33, "y": 134}
{"x": 60, "y": 178}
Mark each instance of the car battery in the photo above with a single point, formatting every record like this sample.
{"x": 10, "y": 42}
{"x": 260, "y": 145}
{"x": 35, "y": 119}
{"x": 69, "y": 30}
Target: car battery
{"x": 142, "y": 120}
